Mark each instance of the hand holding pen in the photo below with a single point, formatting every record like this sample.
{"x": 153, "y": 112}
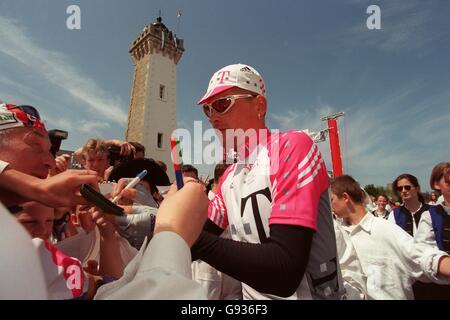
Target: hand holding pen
{"x": 132, "y": 184}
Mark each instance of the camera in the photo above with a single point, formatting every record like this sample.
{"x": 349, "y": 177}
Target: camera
{"x": 56, "y": 136}
{"x": 114, "y": 155}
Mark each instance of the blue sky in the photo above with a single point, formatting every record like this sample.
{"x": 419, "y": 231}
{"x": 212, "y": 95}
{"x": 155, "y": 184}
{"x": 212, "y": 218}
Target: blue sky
{"x": 317, "y": 58}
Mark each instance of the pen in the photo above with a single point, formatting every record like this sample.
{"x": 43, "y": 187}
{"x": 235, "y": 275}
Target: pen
{"x": 132, "y": 184}
{"x": 177, "y": 160}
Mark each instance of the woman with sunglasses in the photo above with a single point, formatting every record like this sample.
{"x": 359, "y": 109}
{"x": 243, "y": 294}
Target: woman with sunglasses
{"x": 407, "y": 216}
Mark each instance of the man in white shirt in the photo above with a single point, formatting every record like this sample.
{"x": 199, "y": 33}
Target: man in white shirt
{"x": 388, "y": 255}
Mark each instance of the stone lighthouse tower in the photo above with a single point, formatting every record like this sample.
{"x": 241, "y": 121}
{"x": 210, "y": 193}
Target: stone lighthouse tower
{"x": 152, "y": 115}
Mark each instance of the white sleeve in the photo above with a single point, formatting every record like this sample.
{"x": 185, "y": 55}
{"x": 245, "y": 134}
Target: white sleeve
{"x": 391, "y": 217}
{"x": 162, "y": 272}
{"x": 425, "y": 232}
{"x": 427, "y": 252}
{"x": 429, "y": 258}
{"x": 421, "y": 259}
{"x": 3, "y": 165}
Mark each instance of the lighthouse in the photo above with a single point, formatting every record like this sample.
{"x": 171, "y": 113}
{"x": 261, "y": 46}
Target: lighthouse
{"x": 152, "y": 114}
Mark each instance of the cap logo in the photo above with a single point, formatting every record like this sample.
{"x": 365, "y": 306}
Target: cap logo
{"x": 224, "y": 73}
{"x": 7, "y": 118}
{"x": 246, "y": 69}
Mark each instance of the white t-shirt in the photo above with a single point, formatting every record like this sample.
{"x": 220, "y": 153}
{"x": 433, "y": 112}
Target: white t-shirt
{"x": 285, "y": 183}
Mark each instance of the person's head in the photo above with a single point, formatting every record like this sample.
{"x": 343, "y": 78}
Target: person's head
{"x": 37, "y": 219}
{"x": 24, "y": 141}
{"x": 434, "y": 196}
{"x": 140, "y": 150}
{"x": 155, "y": 176}
{"x": 219, "y": 170}
{"x": 407, "y": 188}
{"x": 235, "y": 99}
{"x": 79, "y": 157}
{"x": 189, "y": 171}
{"x": 95, "y": 153}
{"x": 162, "y": 165}
{"x": 346, "y": 193}
{"x": 440, "y": 179}
{"x": 382, "y": 201}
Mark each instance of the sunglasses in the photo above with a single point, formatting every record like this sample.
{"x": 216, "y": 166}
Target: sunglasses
{"x": 224, "y": 104}
{"x": 30, "y": 110}
{"x": 400, "y": 188}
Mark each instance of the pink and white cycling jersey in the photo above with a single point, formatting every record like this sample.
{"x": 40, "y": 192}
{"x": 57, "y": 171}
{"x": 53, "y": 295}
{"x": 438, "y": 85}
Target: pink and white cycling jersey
{"x": 286, "y": 183}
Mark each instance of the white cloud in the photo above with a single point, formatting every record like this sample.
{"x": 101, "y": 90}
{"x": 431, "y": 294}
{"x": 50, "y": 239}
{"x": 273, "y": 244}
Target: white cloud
{"x": 57, "y": 69}
{"x": 60, "y": 123}
{"x": 92, "y": 127}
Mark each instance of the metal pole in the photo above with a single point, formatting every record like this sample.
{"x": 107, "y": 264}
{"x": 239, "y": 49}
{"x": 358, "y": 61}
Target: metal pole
{"x": 334, "y": 143}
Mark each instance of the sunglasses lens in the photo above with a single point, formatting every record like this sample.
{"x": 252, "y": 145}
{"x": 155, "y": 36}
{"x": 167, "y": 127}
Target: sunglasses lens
{"x": 407, "y": 188}
{"x": 221, "y": 105}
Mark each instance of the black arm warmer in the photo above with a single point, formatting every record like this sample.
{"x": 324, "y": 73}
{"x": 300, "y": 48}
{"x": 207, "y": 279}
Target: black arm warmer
{"x": 273, "y": 267}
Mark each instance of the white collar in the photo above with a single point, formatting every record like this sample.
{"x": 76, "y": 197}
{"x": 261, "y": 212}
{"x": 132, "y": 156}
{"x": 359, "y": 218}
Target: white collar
{"x": 365, "y": 223}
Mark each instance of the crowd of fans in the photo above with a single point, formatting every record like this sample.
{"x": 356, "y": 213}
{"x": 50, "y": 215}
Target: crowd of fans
{"x": 251, "y": 232}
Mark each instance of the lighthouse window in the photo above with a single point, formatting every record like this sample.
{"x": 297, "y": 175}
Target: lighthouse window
{"x": 160, "y": 140}
{"x": 162, "y": 92}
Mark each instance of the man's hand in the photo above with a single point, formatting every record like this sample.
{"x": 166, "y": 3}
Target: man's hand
{"x": 62, "y": 163}
{"x": 184, "y": 212}
{"x": 85, "y": 219}
{"x": 62, "y": 190}
{"x": 128, "y": 195}
{"x": 104, "y": 223}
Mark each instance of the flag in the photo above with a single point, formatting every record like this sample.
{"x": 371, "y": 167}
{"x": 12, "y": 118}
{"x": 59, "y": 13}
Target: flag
{"x": 179, "y": 13}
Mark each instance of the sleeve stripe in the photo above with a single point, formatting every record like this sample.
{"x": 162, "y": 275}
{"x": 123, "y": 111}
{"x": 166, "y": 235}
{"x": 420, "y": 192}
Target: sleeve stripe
{"x": 221, "y": 213}
{"x": 215, "y": 216}
{"x": 213, "y": 213}
{"x": 311, "y": 177}
{"x": 308, "y": 156}
{"x": 310, "y": 166}
{"x": 217, "y": 211}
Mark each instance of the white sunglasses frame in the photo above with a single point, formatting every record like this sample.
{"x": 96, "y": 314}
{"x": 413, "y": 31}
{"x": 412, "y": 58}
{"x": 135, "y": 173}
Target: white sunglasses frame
{"x": 233, "y": 98}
